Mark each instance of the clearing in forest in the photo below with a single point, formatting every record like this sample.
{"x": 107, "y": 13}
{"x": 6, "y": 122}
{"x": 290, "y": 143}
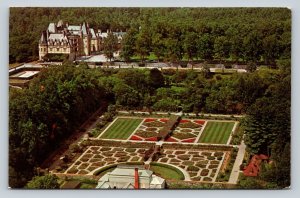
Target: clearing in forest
{"x": 216, "y": 132}
{"x": 122, "y": 128}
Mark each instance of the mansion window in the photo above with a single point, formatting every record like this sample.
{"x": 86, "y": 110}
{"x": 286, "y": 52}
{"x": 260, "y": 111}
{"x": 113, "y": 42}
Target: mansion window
{"x": 57, "y": 49}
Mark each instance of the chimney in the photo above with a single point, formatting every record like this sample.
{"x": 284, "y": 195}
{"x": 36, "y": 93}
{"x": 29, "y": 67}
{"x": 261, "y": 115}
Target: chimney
{"x": 136, "y": 178}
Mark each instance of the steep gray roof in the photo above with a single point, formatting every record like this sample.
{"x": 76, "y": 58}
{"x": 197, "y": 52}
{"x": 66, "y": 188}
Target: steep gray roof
{"x": 52, "y": 28}
{"x": 59, "y": 37}
{"x": 84, "y": 29}
{"x": 93, "y": 33}
{"x": 43, "y": 39}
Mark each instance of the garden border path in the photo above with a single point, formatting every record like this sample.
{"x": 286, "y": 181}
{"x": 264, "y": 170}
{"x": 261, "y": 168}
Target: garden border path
{"x": 238, "y": 161}
{"x": 233, "y": 131}
{"x": 200, "y": 133}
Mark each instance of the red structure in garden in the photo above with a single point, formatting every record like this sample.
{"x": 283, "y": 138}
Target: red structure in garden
{"x": 253, "y": 168}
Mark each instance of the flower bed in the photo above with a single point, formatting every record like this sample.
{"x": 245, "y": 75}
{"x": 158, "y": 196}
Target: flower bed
{"x": 151, "y": 139}
{"x": 186, "y": 130}
{"x": 170, "y": 139}
{"x": 149, "y": 120}
{"x": 144, "y": 134}
{"x": 164, "y": 120}
{"x": 190, "y": 125}
{"x": 182, "y": 136}
{"x": 204, "y": 172}
{"x": 202, "y": 122}
{"x": 184, "y": 157}
{"x": 191, "y": 140}
{"x": 183, "y": 121}
{"x": 136, "y": 138}
{"x": 154, "y": 124}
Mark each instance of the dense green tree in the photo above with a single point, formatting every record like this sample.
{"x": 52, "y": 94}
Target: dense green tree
{"x": 156, "y": 79}
{"x": 143, "y": 43}
{"x": 205, "y": 46}
{"x": 128, "y": 44}
{"x": 110, "y": 45}
{"x": 43, "y": 182}
{"x": 189, "y": 46}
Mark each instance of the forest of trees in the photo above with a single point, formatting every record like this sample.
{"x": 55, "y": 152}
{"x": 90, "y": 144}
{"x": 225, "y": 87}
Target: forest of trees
{"x": 61, "y": 98}
{"x": 171, "y": 34}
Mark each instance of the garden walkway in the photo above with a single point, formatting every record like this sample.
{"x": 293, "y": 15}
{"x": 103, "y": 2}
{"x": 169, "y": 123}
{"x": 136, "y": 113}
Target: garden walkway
{"x": 236, "y": 167}
{"x": 191, "y": 114}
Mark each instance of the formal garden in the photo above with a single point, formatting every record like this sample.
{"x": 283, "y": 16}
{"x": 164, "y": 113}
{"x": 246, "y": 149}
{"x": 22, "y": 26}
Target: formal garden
{"x": 188, "y": 130}
{"x": 199, "y": 148}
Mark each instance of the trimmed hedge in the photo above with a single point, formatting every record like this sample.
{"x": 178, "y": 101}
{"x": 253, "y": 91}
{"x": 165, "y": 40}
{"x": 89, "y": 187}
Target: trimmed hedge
{"x": 115, "y": 165}
{"x": 117, "y": 144}
{"x": 175, "y": 146}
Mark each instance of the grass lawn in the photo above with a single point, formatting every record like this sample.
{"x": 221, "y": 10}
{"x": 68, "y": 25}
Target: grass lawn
{"x": 216, "y": 132}
{"x": 122, "y": 128}
{"x": 166, "y": 173}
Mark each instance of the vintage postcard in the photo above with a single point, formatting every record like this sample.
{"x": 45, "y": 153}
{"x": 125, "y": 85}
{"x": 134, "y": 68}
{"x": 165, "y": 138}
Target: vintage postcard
{"x": 149, "y": 98}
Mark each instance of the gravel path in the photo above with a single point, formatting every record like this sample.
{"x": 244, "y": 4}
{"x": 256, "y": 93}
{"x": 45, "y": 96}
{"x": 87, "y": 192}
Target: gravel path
{"x": 236, "y": 167}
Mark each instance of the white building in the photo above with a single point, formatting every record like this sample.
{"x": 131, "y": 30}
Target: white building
{"x": 130, "y": 177}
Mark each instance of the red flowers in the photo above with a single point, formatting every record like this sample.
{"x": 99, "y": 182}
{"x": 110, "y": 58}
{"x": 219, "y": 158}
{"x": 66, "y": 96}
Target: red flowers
{"x": 190, "y": 140}
{"x": 149, "y": 120}
{"x": 202, "y": 122}
{"x": 183, "y": 121}
{"x": 136, "y": 138}
{"x": 170, "y": 139}
{"x": 164, "y": 120}
{"x": 151, "y": 139}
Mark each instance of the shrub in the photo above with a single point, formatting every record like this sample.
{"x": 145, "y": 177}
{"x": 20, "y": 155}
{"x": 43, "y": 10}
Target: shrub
{"x": 83, "y": 166}
{"x": 131, "y": 150}
{"x": 182, "y": 136}
{"x": 73, "y": 170}
{"x": 218, "y": 154}
{"x": 188, "y": 163}
{"x": 192, "y": 174}
{"x": 207, "y": 179}
{"x": 212, "y": 166}
{"x": 192, "y": 168}
{"x": 204, "y": 172}
{"x": 210, "y": 158}
{"x": 174, "y": 160}
{"x": 184, "y": 157}
{"x": 164, "y": 160}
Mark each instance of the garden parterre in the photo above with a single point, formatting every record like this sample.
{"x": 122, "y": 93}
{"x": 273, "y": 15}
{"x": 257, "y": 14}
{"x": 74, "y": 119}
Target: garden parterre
{"x": 201, "y": 165}
{"x": 96, "y": 157}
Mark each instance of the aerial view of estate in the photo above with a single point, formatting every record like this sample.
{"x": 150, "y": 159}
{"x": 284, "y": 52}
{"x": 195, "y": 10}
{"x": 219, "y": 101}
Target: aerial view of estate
{"x": 149, "y": 98}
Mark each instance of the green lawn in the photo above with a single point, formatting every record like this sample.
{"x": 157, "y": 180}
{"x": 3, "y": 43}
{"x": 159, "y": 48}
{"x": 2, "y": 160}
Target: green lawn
{"x": 216, "y": 132}
{"x": 166, "y": 172}
{"x": 122, "y": 128}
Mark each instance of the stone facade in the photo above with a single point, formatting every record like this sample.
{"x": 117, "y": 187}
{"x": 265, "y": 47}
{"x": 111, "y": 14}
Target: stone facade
{"x": 74, "y": 40}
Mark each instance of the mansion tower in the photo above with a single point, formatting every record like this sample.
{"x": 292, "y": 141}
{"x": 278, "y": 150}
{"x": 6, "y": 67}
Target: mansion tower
{"x": 74, "y": 40}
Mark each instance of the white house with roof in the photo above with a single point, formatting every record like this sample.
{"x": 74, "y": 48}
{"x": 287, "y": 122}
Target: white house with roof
{"x": 130, "y": 177}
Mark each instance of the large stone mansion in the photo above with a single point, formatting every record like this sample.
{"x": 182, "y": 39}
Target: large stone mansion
{"x": 73, "y": 40}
